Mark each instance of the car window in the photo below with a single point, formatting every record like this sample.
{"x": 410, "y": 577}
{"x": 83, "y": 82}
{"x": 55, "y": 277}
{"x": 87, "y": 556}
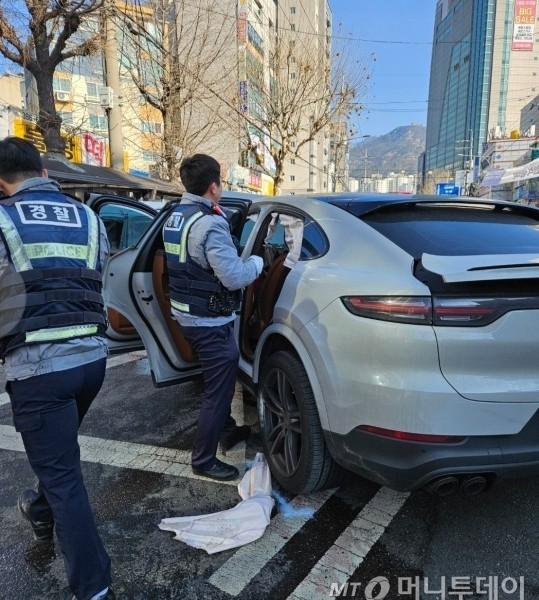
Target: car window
{"x": 314, "y": 241}
{"x": 247, "y": 228}
{"x": 125, "y": 225}
{"x": 457, "y": 231}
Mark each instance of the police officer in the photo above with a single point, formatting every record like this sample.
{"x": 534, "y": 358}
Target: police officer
{"x": 52, "y": 251}
{"x": 205, "y": 280}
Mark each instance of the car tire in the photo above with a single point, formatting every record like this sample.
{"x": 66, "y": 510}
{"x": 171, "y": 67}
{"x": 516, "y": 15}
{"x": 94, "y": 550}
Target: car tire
{"x": 290, "y": 429}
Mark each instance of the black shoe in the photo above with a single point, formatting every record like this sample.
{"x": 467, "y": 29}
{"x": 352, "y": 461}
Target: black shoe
{"x": 220, "y": 471}
{"x": 239, "y": 434}
{"x": 67, "y": 594}
{"x": 43, "y": 530}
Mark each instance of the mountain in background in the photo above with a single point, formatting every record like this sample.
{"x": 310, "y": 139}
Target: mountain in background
{"x": 395, "y": 151}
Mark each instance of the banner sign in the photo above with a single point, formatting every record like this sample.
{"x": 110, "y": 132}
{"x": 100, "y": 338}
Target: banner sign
{"x": 244, "y": 102}
{"x": 524, "y": 25}
{"x": 528, "y": 171}
{"x": 499, "y": 176}
{"x": 94, "y": 150}
{"x": 242, "y": 27}
{"x": 86, "y": 148}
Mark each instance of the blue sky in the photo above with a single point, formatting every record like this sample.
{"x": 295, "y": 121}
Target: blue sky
{"x": 399, "y": 32}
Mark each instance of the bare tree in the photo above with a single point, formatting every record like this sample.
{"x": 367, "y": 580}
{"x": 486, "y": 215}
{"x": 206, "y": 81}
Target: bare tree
{"x": 310, "y": 91}
{"x": 38, "y": 35}
{"x": 181, "y": 58}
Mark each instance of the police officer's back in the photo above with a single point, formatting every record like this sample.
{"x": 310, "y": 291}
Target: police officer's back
{"x": 52, "y": 251}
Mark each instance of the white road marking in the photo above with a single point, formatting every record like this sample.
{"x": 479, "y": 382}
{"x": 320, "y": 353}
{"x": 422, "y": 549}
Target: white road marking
{"x": 120, "y": 359}
{"x": 351, "y": 547}
{"x": 155, "y": 459}
{"x": 235, "y": 574}
{"x": 128, "y": 455}
{"x": 336, "y": 566}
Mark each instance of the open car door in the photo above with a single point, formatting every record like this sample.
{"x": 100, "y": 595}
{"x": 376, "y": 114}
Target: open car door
{"x": 125, "y": 221}
{"x": 136, "y": 287}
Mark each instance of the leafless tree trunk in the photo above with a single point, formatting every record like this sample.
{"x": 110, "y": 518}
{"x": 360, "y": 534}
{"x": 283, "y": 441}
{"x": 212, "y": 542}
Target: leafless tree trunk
{"x": 38, "y": 35}
{"x": 311, "y": 90}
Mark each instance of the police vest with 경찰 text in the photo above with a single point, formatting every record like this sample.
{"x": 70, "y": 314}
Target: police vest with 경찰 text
{"x": 52, "y": 291}
{"x": 193, "y": 290}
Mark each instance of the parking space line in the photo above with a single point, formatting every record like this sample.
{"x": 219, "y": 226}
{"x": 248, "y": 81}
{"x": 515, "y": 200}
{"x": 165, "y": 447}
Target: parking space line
{"x": 351, "y": 547}
{"x": 236, "y": 573}
{"x": 128, "y": 455}
{"x": 120, "y": 359}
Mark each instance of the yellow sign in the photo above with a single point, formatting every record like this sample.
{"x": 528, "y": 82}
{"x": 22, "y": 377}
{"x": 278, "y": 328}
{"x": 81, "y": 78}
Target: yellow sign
{"x": 29, "y": 131}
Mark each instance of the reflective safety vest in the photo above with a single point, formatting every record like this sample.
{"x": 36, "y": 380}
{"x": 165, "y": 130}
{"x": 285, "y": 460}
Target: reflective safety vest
{"x": 193, "y": 290}
{"x": 52, "y": 292}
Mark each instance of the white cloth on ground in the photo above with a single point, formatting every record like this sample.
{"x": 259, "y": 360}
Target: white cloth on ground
{"x": 244, "y": 523}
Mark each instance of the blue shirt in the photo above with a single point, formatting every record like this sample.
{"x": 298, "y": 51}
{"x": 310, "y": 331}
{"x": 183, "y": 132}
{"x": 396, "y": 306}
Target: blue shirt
{"x": 39, "y": 359}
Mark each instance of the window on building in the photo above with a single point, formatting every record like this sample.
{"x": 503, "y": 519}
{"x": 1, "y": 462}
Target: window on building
{"x": 98, "y": 122}
{"x": 93, "y": 90}
{"x": 149, "y": 156}
{"x": 292, "y": 178}
{"x": 292, "y": 161}
{"x": 292, "y": 10}
{"x": 67, "y": 117}
{"x": 257, "y": 9}
{"x": 292, "y": 75}
{"x": 292, "y": 27}
{"x": 152, "y": 127}
{"x": 61, "y": 84}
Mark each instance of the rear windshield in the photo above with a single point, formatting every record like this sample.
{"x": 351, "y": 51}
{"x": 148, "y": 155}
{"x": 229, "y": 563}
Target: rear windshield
{"x": 454, "y": 231}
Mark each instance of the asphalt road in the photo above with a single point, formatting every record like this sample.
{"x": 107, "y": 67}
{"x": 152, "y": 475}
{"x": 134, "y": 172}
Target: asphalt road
{"x": 358, "y": 541}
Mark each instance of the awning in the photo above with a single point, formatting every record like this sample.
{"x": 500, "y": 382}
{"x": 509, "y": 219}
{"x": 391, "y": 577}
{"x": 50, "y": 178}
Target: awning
{"x": 91, "y": 177}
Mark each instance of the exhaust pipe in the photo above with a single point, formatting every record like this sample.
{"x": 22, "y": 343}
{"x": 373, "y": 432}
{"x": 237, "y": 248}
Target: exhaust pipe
{"x": 443, "y": 486}
{"x": 471, "y": 485}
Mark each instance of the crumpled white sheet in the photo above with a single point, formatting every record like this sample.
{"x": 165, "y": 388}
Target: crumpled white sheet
{"x": 244, "y": 523}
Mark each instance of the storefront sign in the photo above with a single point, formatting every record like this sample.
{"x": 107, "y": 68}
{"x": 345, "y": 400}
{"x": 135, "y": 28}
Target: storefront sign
{"x": 29, "y": 131}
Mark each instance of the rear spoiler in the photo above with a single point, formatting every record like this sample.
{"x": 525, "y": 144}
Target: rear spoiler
{"x": 482, "y": 267}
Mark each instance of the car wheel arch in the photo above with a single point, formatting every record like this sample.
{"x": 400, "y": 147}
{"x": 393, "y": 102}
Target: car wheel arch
{"x": 292, "y": 437}
{"x": 278, "y": 337}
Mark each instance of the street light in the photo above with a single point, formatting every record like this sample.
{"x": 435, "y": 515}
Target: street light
{"x": 366, "y": 157}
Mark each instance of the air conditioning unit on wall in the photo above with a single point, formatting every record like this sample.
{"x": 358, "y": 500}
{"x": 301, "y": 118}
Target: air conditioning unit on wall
{"x": 62, "y": 96}
{"x": 106, "y": 97}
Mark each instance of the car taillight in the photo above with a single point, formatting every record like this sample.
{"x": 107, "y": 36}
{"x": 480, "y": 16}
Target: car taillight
{"x": 426, "y": 438}
{"x": 448, "y": 311}
{"x": 404, "y": 309}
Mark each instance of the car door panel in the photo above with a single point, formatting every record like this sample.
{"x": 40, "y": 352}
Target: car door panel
{"x": 125, "y": 221}
{"x": 136, "y": 286}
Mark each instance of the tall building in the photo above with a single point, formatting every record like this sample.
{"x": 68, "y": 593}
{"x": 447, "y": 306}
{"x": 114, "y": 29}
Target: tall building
{"x": 484, "y": 70}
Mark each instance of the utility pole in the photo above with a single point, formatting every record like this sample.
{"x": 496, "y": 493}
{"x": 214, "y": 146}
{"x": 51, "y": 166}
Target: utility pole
{"x": 366, "y": 158}
{"x": 114, "y": 112}
{"x": 471, "y": 166}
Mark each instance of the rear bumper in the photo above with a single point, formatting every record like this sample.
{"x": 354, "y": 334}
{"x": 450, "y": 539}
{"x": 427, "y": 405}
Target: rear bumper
{"x": 404, "y": 465}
